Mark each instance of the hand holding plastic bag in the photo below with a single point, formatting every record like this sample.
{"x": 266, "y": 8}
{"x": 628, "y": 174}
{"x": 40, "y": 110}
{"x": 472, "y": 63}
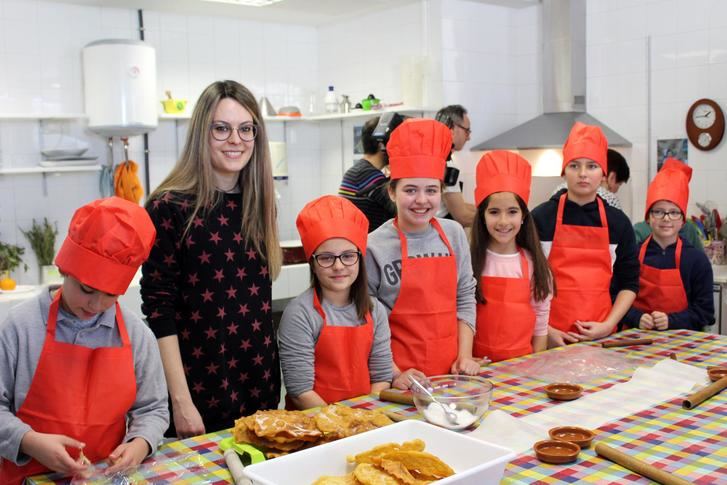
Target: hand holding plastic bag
{"x": 158, "y": 469}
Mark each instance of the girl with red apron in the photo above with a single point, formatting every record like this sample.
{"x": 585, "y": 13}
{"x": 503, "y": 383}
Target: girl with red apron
{"x": 333, "y": 232}
{"x": 426, "y": 334}
{"x": 80, "y": 392}
{"x": 661, "y": 291}
{"x": 506, "y": 316}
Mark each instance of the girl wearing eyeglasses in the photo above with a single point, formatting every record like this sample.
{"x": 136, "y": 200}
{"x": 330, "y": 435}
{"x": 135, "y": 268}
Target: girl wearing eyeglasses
{"x": 334, "y": 338}
{"x": 675, "y": 282}
{"x": 419, "y": 266}
{"x": 207, "y": 287}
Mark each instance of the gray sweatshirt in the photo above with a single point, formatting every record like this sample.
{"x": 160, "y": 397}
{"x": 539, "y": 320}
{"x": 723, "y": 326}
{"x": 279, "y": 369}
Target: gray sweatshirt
{"x": 298, "y": 334}
{"x": 22, "y": 336}
{"x": 383, "y": 263}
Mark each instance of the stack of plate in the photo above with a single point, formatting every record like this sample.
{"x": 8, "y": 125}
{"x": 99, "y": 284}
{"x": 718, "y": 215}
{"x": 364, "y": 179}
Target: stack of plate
{"x": 64, "y": 157}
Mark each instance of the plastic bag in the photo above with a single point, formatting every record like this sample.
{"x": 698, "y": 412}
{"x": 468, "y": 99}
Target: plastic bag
{"x": 159, "y": 469}
{"x": 576, "y": 364}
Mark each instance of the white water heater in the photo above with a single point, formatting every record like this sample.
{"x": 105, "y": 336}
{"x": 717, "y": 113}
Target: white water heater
{"x": 119, "y": 86}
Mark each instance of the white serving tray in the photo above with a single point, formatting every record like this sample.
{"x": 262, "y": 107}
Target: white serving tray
{"x": 475, "y": 462}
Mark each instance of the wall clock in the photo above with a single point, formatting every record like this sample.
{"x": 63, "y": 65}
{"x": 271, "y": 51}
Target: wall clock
{"x": 705, "y": 124}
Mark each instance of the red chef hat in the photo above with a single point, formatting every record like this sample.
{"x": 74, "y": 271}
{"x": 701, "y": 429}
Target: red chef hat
{"x": 418, "y": 148}
{"x": 328, "y": 217}
{"x": 586, "y": 141}
{"x": 502, "y": 171}
{"x": 107, "y": 241}
{"x": 670, "y": 183}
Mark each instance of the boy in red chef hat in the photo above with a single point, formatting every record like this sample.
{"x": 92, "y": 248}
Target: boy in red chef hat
{"x": 335, "y": 342}
{"x": 590, "y": 246}
{"x": 675, "y": 283}
{"x": 77, "y": 372}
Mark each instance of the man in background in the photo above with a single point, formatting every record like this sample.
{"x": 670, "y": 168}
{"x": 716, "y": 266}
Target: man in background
{"x": 364, "y": 183}
{"x": 453, "y": 203}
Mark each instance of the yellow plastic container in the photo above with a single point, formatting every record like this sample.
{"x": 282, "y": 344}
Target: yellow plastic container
{"x": 174, "y": 106}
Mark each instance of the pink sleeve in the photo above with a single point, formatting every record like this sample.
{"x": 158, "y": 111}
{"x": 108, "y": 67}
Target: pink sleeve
{"x": 541, "y": 308}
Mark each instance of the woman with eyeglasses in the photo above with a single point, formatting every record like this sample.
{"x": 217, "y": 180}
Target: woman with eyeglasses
{"x": 334, "y": 338}
{"x": 675, "y": 281}
{"x": 207, "y": 285}
{"x": 419, "y": 266}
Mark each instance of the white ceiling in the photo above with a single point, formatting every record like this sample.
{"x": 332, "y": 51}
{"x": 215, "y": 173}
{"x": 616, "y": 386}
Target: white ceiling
{"x": 305, "y": 12}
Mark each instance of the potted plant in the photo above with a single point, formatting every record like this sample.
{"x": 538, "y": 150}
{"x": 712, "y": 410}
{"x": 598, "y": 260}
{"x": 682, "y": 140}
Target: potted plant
{"x": 42, "y": 238}
{"x": 10, "y": 258}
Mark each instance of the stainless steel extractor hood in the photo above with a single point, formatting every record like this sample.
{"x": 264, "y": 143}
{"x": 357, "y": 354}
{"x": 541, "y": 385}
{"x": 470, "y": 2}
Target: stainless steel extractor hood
{"x": 564, "y": 84}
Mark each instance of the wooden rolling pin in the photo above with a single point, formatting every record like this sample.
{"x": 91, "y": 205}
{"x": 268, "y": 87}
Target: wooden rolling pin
{"x": 237, "y": 470}
{"x": 396, "y": 417}
{"x": 638, "y": 466}
{"x": 705, "y": 393}
{"x": 627, "y": 342}
{"x": 400, "y": 397}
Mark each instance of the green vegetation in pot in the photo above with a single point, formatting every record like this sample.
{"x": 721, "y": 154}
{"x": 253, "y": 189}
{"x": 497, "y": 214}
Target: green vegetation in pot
{"x": 11, "y": 257}
{"x": 42, "y": 238}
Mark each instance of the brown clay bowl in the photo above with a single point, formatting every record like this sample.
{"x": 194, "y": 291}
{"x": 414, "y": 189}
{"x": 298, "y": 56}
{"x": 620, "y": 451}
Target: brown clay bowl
{"x": 564, "y": 391}
{"x": 556, "y": 452}
{"x": 580, "y": 436}
{"x": 716, "y": 373}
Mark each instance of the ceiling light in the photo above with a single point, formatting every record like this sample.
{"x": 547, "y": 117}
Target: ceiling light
{"x": 247, "y": 3}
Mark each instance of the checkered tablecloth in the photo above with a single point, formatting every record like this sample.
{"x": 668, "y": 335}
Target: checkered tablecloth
{"x": 689, "y": 444}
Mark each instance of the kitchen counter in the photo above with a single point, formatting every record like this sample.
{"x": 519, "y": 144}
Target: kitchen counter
{"x": 686, "y": 443}
{"x": 293, "y": 280}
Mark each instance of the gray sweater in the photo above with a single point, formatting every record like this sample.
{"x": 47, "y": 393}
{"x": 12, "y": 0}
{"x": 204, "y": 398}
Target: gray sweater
{"x": 383, "y": 263}
{"x": 298, "y": 334}
{"x": 22, "y": 335}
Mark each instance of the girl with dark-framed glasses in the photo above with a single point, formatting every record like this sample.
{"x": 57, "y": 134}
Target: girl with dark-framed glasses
{"x": 334, "y": 338}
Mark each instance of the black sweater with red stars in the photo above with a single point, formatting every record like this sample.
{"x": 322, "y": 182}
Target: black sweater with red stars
{"x": 213, "y": 290}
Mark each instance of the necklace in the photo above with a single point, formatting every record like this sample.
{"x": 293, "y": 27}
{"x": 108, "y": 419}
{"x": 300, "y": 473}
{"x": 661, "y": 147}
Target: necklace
{"x": 233, "y": 190}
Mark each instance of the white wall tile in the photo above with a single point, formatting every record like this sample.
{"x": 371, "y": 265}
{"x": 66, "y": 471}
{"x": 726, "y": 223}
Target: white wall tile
{"x": 663, "y": 51}
{"x": 661, "y": 17}
{"x": 692, "y": 48}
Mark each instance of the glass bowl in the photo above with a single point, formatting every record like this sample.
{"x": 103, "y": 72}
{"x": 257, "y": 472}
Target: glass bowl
{"x": 467, "y": 396}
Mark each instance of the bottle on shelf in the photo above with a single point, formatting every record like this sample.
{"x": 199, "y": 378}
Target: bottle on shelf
{"x": 331, "y": 101}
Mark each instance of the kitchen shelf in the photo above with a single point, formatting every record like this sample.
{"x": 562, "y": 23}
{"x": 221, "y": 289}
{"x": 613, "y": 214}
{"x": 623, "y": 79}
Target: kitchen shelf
{"x": 31, "y": 170}
{"x": 321, "y": 117}
{"x": 42, "y": 116}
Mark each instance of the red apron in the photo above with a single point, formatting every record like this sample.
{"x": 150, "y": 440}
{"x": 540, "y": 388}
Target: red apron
{"x": 506, "y": 322}
{"x": 424, "y": 318}
{"x": 80, "y": 392}
{"x": 342, "y": 359}
{"x": 581, "y": 263}
{"x": 661, "y": 289}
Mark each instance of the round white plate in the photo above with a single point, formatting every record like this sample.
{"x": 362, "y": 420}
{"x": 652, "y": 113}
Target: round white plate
{"x": 67, "y": 163}
{"x": 19, "y": 289}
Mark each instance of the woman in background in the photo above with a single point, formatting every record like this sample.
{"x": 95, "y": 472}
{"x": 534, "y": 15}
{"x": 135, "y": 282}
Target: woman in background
{"x": 207, "y": 286}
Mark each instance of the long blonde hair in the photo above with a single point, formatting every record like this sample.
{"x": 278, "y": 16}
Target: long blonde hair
{"x": 193, "y": 174}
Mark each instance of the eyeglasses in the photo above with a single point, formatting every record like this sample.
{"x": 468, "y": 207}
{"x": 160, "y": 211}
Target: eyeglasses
{"x": 468, "y": 130}
{"x": 674, "y": 215}
{"x": 222, "y": 131}
{"x": 326, "y": 260}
